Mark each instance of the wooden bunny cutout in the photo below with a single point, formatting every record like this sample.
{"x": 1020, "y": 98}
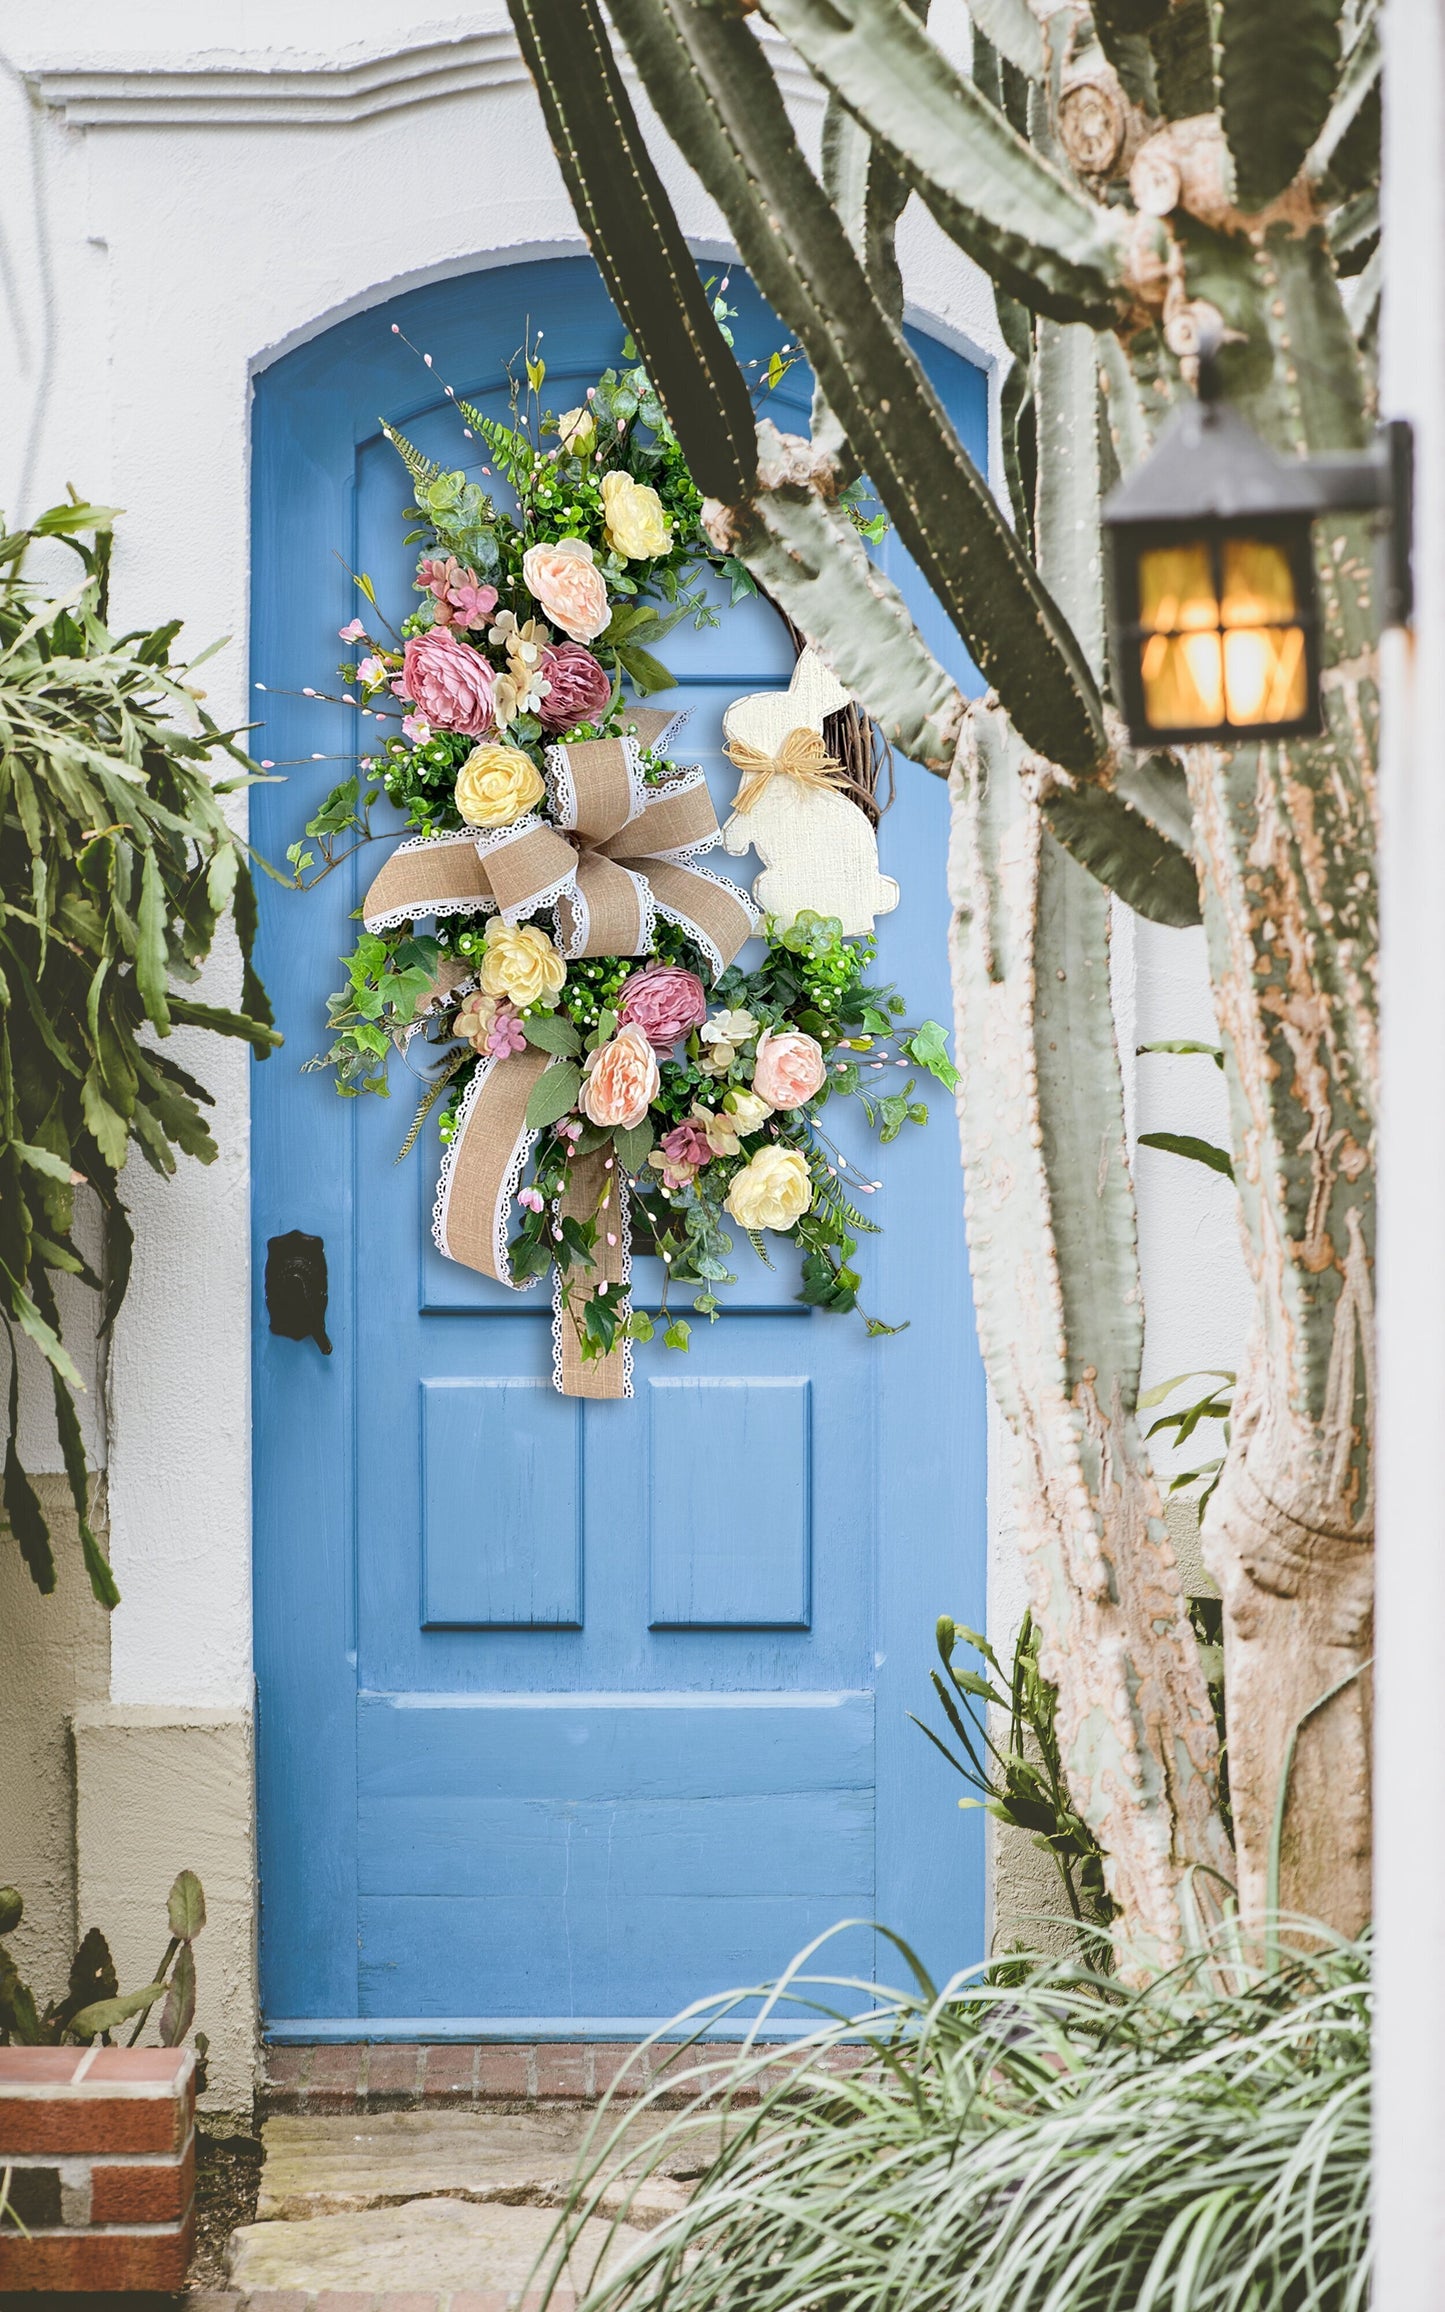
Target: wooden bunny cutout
{"x": 818, "y": 848}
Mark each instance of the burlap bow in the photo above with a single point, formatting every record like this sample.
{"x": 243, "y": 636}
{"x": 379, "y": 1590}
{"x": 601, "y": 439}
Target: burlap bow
{"x": 802, "y": 756}
{"x": 618, "y": 857}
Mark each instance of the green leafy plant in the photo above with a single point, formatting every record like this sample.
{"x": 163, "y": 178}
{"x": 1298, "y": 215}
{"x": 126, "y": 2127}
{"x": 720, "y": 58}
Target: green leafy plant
{"x": 92, "y": 2005}
{"x": 117, "y": 867}
{"x": 1049, "y": 2142}
{"x": 1020, "y": 1781}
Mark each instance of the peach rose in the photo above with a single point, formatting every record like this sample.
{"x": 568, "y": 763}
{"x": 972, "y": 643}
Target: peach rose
{"x": 567, "y": 582}
{"x": 622, "y": 1080}
{"x": 789, "y": 1068}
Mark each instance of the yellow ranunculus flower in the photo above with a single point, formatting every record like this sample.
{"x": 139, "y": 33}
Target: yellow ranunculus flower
{"x": 635, "y": 525}
{"x": 495, "y": 785}
{"x": 772, "y": 1190}
{"x": 520, "y": 962}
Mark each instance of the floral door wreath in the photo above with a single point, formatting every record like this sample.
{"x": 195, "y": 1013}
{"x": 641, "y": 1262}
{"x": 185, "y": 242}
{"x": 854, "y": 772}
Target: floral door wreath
{"x": 610, "y": 1076}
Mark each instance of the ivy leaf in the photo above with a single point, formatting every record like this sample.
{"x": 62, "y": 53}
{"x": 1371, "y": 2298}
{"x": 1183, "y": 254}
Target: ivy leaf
{"x": 928, "y": 1045}
{"x": 678, "y": 1334}
{"x": 554, "y": 1094}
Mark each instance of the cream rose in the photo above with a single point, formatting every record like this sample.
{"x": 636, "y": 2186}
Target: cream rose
{"x": 622, "y": 1080}
{"x": 634, "y": 523}
{"x": 771, "y": 1191}
{"x": 748, "y": 1112}
{"x": 567, "y": 582}
{"x": 521, "y": 963}
{"x": 495, "y": 785}
{"x": 577, "y": 430}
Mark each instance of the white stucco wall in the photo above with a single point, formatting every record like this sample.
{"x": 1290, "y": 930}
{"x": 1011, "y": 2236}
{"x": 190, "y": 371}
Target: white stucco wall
{"x": 188, "y": 197}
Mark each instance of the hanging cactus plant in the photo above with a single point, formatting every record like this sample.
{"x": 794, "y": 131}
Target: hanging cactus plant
{"x": 1128, "y": 178}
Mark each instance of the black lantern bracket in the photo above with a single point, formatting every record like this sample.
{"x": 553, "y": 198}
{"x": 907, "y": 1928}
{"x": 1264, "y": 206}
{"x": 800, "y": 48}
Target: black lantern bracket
{"x": 1379, "y": 480}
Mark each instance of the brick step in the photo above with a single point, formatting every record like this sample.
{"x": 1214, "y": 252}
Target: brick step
{"x": 359, "y": 2076}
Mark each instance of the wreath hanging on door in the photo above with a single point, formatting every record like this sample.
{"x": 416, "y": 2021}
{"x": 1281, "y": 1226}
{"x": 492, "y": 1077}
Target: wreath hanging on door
{"x": 610, "y": 1077}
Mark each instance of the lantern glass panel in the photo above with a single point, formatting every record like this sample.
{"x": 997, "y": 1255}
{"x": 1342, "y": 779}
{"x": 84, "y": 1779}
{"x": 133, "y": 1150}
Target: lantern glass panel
{"x": 1220, "y": 636}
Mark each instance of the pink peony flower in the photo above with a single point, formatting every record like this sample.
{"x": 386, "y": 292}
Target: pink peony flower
{"x": 687, "y": 1143}
{"x": 566, "y": 581}
{"x": 621, "y": 1081}
{"x": 664, "y": 1001}
{"x": 355, "y": 632}
{"x": 450, "y": 684}
{"x": 789, "y": 1069}
{"x": 578, "y": 690}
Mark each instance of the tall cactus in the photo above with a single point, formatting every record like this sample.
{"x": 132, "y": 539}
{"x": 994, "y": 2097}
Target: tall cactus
{"x": 1125, "y": 177}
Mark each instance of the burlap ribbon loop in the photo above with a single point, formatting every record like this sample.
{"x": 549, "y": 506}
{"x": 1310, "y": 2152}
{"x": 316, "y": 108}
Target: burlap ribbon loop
{"x": 615, "y": 854}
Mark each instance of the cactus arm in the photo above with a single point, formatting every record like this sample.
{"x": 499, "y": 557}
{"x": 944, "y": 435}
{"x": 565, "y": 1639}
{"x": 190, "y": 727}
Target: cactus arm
{"x": 1278, "y": 66}
{"x": 868, "y": 194}
{"x": 1069, "y": 540}
{"x": 1133, "y": 831}
{"x": 1040, "y": 237}
{"x": 1056, "y": 1288}
{"x": 635, "y": 237}
{"x": 710, "y": 80}
{"x": 1012, "y": 28}
{"x": 811, "y": 560}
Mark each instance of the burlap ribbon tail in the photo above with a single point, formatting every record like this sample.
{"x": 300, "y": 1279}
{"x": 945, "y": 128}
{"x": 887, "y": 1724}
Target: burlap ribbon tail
{"x": 619, "y": 855}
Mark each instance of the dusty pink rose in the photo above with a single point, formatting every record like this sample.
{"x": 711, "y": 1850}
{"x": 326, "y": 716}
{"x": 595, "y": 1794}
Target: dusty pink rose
{"x": 789, "y": 1069}
{"x": 578, "y": 690}
{"x": 566, "y": 581}
{"x": 664, "y": 1001}
{"x": 687, "y": 1143}
{"x": 622, "y": 1080}
{"x": 450, "y": 683}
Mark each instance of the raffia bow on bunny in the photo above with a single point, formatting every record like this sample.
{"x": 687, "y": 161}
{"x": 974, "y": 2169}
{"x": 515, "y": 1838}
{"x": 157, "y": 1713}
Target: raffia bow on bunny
{"x": 616, "y": 855}
{"x": 818, "y": 849}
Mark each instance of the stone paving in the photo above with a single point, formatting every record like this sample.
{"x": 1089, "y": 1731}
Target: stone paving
{"x": 427, "y": 2178}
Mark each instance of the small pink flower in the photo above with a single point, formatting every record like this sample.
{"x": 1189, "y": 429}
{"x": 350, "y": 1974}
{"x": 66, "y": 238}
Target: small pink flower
{"x": 472, "y": 605}
{"x": 530, "y": 1198}
{"x": 416, "y": 728}
{"x": 664, "y": 1001}
{"x": 371, "y": 671}
{"x": 572, "y": 1129}
{"x": 355, "y": 632}
{"x": 448, "y": 682}
{"x": 687, "y": 1143}
{"x": 506, "y": 1034}
{"x": 789, "y": 1069}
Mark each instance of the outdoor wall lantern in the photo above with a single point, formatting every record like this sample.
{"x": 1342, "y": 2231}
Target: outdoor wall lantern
{"x": 1216, "y": 619}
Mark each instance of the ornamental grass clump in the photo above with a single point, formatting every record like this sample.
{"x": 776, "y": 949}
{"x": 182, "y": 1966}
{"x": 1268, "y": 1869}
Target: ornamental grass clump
{"x": 1049, "y": 2143}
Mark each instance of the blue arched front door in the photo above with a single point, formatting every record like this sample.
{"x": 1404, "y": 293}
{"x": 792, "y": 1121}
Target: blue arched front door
{"x": 570, "y": 1713}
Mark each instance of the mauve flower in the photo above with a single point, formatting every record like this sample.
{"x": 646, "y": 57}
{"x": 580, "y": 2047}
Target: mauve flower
{"x": 449, "y": 683}
{"x": 506, "y": 1034}
{"x": 664, "y": 1001}
{"x": 789, "y": 1069}
{"x": 621, "y": 1082}
{"x": 577, "y": 688}
{"x": 687, "y": 1143}
{"x": 571, "y": 589}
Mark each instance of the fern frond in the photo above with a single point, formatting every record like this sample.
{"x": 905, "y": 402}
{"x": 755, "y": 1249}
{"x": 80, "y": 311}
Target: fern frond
{"x": 421, "y": 469}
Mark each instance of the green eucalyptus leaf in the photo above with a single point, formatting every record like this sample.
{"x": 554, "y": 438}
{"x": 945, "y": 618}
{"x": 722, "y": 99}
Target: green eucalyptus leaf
{"x": 554, "y": 1094}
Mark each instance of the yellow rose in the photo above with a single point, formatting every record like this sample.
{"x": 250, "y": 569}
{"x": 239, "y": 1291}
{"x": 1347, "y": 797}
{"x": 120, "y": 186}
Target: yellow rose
{"x": 634, "y": 525}
{"x": 521, "y": 963}
{"x": 577, "y": 430}
{"x": 495, "y": 785}
{"x": 772, "y": 1189}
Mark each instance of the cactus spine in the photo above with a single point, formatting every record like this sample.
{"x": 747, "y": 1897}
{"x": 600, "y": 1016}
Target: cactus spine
{"x": 1117, "y": 174}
